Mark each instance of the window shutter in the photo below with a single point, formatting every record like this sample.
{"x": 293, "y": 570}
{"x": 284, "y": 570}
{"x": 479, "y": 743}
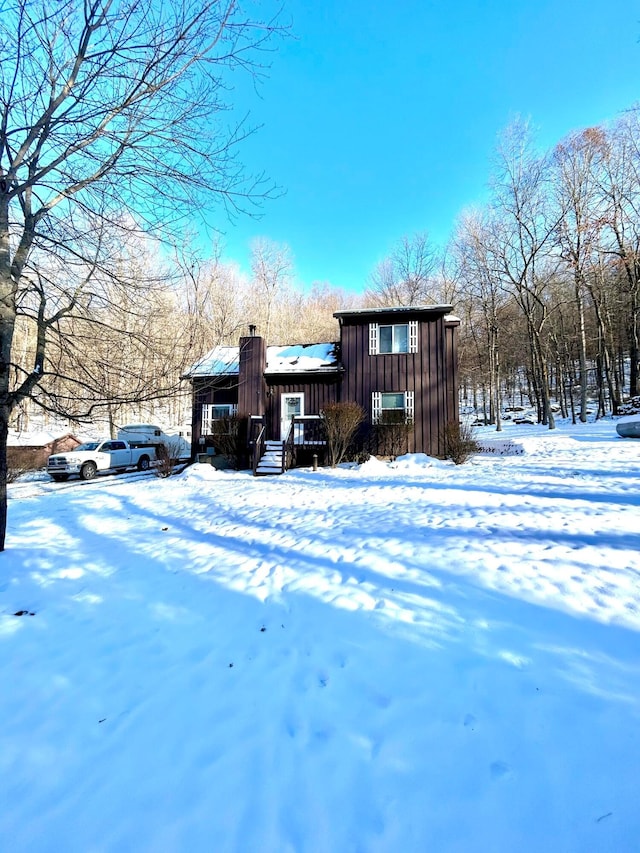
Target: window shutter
{"x": 373, "y": 339}
{"x": 205, "y": 425}
{"x": 376, "y": 406}
{"x": 413, "y": 336}
{"x": 409, "y": 406}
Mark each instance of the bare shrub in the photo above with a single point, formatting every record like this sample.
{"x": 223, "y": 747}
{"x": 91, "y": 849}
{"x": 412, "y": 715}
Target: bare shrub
{"x": 391, "y": 434}
{"x": 168, "y": 456}
{"x": 229, "y": 441}
{"x": 341, "y": 423}
{"x": 459, "y": 441}
{"x": 164, "y": 462}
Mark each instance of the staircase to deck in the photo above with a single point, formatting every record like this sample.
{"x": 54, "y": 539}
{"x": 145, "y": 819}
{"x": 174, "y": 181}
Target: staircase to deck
{"x": 272, "y": 460}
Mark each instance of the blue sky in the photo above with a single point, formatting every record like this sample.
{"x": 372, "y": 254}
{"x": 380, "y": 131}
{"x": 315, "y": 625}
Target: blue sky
{"x": 380, "y": 120}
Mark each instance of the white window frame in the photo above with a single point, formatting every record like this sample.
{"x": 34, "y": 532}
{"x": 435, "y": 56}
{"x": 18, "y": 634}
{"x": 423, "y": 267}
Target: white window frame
{"x": 207, "y": 419}
{"x": 377, "y": 410}
{"x": 413, "y": 336}
{"x": 374, "y": 337}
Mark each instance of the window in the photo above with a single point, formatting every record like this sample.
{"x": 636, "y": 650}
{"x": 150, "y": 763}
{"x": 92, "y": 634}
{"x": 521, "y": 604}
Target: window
{"x": 392, "y": 407}
{"x": 212, "y": 412}
{"x": 393, "y": 338}
{"x": 110, "y": 446}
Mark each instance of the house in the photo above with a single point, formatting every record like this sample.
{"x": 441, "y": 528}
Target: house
{"x": 32, "y": 450}
{"x": 399, "y": 364}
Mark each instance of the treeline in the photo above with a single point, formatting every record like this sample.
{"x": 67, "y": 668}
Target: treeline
{"x": 547, "y": 274}
{"x": 139, "y": 323}
{"x": 545, "y": 277}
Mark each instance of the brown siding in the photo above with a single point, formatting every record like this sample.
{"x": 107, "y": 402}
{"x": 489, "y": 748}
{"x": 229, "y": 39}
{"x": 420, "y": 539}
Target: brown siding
{"x": 251, "y": 384}
{"x": 317, "y": 390}
{"x": 427, "y": 373}
{"x": 431, "y": 373}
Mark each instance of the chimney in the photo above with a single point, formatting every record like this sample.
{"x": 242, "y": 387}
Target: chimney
{"x": 251, "y": 382}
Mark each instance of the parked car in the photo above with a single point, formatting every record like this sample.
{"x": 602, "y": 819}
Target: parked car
{"x": 93, "y": 456}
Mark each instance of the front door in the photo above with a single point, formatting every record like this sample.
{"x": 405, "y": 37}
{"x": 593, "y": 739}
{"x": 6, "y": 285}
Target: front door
{"x": 291, "y": 405}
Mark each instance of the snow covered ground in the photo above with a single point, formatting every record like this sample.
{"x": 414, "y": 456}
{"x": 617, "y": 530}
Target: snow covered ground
{"x": 418, "y": 657}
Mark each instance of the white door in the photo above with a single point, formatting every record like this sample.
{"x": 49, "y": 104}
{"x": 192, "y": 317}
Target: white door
{"x": 291, "y": 405}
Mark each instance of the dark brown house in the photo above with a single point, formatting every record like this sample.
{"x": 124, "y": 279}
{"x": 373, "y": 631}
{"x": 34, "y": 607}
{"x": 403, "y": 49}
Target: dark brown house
{"x": 399, "y": 364}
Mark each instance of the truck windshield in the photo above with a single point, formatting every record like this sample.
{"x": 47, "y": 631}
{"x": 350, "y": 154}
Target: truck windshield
{"x": 89, "y": 445}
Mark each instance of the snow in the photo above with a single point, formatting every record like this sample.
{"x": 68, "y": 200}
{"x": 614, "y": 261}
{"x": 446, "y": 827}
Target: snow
{"x": 34, "y": 439}
{"x": 301, "y": 358}
{"x": 221, "y": 360}
{"x": 293, "y": 358}
{"x": 389, "y": 657}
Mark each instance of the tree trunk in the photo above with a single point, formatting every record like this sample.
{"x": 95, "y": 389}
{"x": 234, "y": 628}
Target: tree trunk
{"x": 582, "y": 352}
{"x": 633, "y": 349}
{"x": 7, "y": 326}
{"x": 4, "y": 431}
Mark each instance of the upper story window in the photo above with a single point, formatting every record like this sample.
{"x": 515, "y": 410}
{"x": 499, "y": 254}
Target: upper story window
{"x": 393, "y": 338}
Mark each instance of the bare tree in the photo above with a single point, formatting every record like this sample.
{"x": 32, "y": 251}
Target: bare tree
{"x": 480, "y": 283}
{"x": 316, "y": 321}
{"x": 214, "y": 295}
{"x": 128, "y": 352}
{"x": 272, "y": 268}
{"x": 523, "y": 226}
{"x": 106, "y": 106}
{"x": 406, "y": 276}
{"x": 621, "y": 186}
{"x": 577, "y": 164}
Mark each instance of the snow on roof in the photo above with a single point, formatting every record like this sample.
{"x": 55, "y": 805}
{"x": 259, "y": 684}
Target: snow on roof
{"x": 301, "y": 358}
{"x": 293, "y": 358}
{"x": 219, "y": 361}
{"x": 35, "y": 439}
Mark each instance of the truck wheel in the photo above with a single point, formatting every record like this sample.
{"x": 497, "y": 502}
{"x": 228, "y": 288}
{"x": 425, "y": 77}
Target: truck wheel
{"x": 143, "y": 463}
{"x": 60, "y": 478}
{"x": 88, "y": 471}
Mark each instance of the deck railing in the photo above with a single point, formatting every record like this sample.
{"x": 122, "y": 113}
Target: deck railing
{"x": 308, "y": 430}
{"x": 305, "y": 431}
{"x": 258, "y": 449}
{"x": 288, "y": 449}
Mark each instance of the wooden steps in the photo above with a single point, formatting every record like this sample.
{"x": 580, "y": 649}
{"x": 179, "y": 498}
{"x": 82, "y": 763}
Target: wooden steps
{"x": 272, "y": 460}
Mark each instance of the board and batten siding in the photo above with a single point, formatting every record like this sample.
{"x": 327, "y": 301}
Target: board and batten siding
{"x": 318, "y": 390}
{"x": 427, "y": 372}
{"x": 252, "y": 388}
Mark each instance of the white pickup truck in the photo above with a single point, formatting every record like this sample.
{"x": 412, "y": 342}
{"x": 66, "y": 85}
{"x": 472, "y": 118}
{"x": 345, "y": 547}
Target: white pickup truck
{"x": 93, "y": 456}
